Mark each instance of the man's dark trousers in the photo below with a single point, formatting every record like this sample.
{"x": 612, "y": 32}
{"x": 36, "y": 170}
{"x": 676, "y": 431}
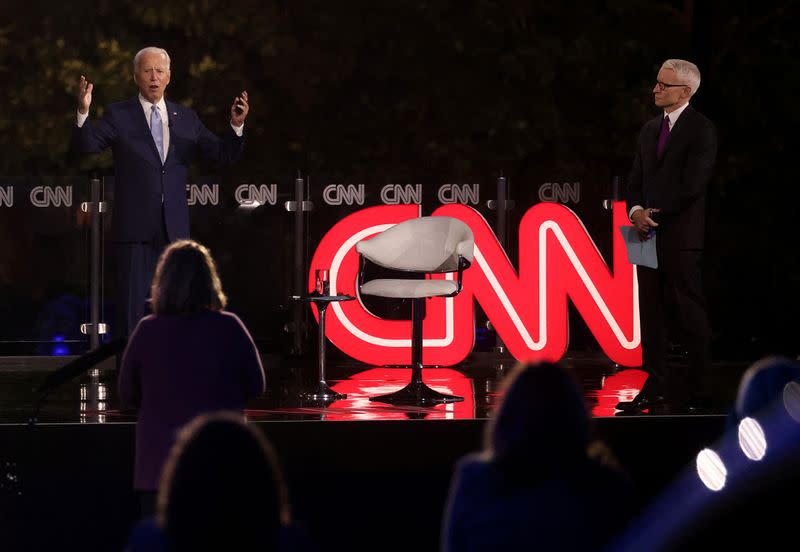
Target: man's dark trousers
{"x": 672, "y": 302}
{"x": 135, "y": 264}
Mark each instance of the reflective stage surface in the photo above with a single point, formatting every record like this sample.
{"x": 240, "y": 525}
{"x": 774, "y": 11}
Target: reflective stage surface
{"x": 88, "y": 399}
{"x": 74, "y": 467}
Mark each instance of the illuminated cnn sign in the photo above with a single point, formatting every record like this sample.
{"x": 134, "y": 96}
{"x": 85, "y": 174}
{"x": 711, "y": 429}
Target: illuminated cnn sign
{"x": 6, "y": 196}
{"x": 254, "y": 195}
{"x": 557, "y": 261}
{"x": 202, "y": 194}
{"x": 336, "y": 194}
{"x": 394, "y": 194}
{"x": 56, "y": 196}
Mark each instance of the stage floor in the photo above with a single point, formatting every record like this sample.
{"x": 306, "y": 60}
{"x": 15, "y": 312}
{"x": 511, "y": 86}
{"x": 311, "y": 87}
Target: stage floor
{"x": 355, "y": 481}
{"x": 89, "y": 399}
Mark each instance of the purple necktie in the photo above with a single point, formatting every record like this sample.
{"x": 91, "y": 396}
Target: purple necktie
{"x": 662, "y": 136}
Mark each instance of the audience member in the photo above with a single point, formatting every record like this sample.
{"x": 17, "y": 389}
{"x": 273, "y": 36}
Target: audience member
{"x": 535, "y": 485}
{"x": 188, "y": 358}
{"x": 221, "y": 489}
{"x": 738, "y": 492}
{"x": 761, "y": 384}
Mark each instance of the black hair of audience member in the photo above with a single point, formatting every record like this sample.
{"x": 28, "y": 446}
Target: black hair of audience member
{"x": 186, "y": 281}
{"x": 541, "y": 480}
{"x": 761, "y": 384}
{"x": 222, "y": 488}
{"x": 541, "y": 424}
{"x": 756, "y": 508}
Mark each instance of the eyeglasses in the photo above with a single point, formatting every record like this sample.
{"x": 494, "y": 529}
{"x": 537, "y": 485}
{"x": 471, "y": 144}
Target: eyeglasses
{"x": 663, "y": 85}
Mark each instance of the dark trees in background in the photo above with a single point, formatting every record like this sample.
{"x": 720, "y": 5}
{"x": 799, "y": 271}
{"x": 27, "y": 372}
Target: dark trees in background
{"x": 444, "y": 88}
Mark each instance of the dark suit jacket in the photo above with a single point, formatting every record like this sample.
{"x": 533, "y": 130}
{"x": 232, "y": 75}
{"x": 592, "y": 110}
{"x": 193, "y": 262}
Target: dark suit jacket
{"x": 676, "y": 182}
{"x": 140, "y": 178}
{"x": 177, "y": 367}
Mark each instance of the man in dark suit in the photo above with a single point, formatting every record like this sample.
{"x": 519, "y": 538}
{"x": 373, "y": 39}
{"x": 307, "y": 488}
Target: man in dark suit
{"x": 153, "y": 142}
{"x": 666, "y": 198}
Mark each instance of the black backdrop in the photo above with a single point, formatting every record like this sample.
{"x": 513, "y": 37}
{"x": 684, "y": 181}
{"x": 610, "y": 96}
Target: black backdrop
{"x": 411, "y": 92}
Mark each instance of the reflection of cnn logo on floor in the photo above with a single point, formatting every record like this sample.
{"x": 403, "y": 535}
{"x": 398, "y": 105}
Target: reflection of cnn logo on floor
{"x": 558, "y": 262}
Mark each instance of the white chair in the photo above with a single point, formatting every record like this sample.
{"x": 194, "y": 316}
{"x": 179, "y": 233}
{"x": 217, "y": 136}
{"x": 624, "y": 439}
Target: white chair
{"x": 422, "y": 246}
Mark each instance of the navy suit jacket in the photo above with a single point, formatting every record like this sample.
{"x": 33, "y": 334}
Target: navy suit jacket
{"x": 141, "y": 180}
{"x": 677, "y": 181}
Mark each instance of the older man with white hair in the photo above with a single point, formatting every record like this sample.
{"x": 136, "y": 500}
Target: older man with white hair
{"x": 153, "y": 142}
{"x": 666, "y": 197}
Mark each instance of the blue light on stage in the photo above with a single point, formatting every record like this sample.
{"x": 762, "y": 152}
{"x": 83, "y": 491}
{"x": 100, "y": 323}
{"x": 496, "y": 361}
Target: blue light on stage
{"x": 60, "y": 349}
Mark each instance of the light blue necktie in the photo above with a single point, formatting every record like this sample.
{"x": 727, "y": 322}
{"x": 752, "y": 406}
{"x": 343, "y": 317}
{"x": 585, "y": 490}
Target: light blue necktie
{"x": 157, "y": 130}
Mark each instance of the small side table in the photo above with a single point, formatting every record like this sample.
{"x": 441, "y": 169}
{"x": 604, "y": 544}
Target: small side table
{"x": 321, "y": 392}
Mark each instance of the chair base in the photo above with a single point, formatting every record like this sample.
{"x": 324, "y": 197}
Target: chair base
{"x": 416, "y": 393}
{"x": 322, "y": 393}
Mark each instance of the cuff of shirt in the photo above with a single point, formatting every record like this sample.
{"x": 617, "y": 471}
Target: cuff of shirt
{"x": 81, "y": 118}
{"x": 238, "y": 130}
{"x": 634, "y": 209}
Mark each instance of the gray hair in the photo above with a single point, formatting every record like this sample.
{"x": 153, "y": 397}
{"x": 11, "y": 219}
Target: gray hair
{"x": 687, "y": 72}
{"x": 149, "y": 50}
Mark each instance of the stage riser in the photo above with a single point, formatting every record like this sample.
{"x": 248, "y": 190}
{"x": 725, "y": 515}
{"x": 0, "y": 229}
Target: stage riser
{"x": 351, "y": 482}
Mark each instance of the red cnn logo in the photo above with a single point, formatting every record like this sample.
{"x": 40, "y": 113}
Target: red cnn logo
{"x": 557, "y": 260}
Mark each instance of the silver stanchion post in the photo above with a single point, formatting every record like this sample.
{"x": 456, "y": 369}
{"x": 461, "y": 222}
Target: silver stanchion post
{"x": 608, "y": 205}
{"x": 616, "y": 194}
{"x": 502, "y": 205}
{"x": 299, "y": 206}
{"x": 96, "y": 207}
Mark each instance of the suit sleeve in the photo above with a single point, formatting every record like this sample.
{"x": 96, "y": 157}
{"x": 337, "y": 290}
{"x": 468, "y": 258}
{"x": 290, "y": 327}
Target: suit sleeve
{"x": 93, "y": 138}
{"x": 130, "y": 377}
{"x": 697, "y": 170}
{"x": 222, "y": 152}
{"x": 634, "y": 195}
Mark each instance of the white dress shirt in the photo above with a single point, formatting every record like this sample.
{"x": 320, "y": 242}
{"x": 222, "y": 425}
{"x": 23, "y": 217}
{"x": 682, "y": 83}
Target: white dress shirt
{"x": 162, "y": 109}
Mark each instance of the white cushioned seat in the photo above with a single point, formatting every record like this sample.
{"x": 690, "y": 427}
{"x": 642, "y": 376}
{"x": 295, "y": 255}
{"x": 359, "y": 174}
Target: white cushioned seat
{"x": 420, "y": 246}
{"x": 409, "y": 289}
{"x": 424, "y": 244}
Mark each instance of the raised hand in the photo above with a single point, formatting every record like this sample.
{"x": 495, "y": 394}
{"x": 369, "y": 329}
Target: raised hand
{"x": 84, "y": 95}
{"x": 239, "y": 109}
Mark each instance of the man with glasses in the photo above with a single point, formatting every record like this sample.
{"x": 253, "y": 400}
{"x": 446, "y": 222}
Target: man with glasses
{"x": 153, "y": 141}
{"x": 666, "y": 197}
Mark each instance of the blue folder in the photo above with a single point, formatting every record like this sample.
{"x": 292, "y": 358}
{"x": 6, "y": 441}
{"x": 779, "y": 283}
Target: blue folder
{"x": 640, "y": 252}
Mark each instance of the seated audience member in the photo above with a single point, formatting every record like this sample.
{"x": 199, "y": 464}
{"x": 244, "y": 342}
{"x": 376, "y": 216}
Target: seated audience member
{"x": 752, "y": 469}
{"x": 187, "y": 358}
{"x": 761, "y": 384}
{"x": 535, "y": 486}
{"x": 221, "y": 489}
